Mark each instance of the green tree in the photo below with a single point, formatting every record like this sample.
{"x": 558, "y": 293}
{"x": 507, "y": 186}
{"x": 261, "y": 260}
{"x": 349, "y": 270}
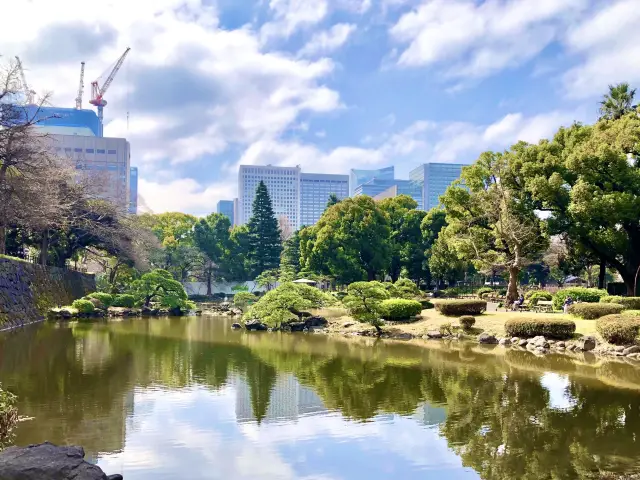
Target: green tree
{"x": 618, "y": 102}
{"x": 364, "y": 301}
{"x": 444, "y": 263}
{"x": 290, "y": 258}
{"x": 159, "y": 285}
{"x": 492, "y": 222}
{"x": 171, "y": 224}
{"x": 396, "y": 210}
{"x": 264, "y": 234}
{"x": 237, "y": 263}
{"x": 333, "y": 200}
{"x": 211, "y": 236}
{"x": 243, "y": 299}
{"x": 350, "y": 242}
{"x": 268, "y": 278}
{"x": 413, "y": 248}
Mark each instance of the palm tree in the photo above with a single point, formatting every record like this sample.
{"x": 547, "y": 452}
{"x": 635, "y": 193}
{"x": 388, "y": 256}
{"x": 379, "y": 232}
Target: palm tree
{"x": 617, "y": 102}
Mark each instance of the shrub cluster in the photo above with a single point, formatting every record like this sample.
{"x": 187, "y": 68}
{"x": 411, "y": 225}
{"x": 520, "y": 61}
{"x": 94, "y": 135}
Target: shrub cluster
{"x": 426, "y": 304}
{"x": 83, "y": 306}
{"x": 124, "y": 300}
{"x": 536, "y": 295}
{"x": 467, "y": 321}
{"x": 452, "y": 292}
{"x": 618, "y": 329}
{"x": 455, "y": 308}
{"x": 591, "y": 311}
{"x": 106, "y": 299}
{"x": 400, "y": 309}
{"x": 531, "y": 327}
{"x": 484, "y": 291}
{"x": 631, "y": 303}
{"x": 579, "y": 294}
{"x": 406, "y": 288}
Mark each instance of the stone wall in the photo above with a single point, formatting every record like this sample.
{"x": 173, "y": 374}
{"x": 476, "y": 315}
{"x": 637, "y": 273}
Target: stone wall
{"x": 27, "y": 291}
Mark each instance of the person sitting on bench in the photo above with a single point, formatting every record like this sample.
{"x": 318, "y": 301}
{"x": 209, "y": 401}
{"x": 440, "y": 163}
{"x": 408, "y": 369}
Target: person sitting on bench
{"x": 518, "y": 303}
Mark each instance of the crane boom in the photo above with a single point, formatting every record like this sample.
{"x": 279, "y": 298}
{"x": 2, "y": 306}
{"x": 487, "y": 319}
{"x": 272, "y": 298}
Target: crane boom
{"x": 80, "y": 88}
{"x": 116, "y": 68}
{"x": 28, "y": 93}
{"x": 97, "y": 92}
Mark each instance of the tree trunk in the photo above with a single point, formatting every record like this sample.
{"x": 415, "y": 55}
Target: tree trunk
{"x": 512, "y": 291}
{"x": 44, "y": 248}
{"x": 3, "y": 240}
{"x": 371, "y": 275}
{"x": 602, "y": 275}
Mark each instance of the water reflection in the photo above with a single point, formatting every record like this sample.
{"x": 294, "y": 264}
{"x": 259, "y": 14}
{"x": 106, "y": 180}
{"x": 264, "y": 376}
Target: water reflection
{"x": 159, "y": 398}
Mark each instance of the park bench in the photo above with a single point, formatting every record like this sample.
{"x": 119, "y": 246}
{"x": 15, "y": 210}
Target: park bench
{"x": 543, "y": 306}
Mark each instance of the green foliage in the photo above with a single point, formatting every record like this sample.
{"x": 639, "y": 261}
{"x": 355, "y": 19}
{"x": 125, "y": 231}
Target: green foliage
{"x": 579, "y": 294}
{"x": 591, "y": 311}
{"x": 618, "y": 102}
{"x": 83, "y": 306}
{"x": 446, "y": 329}
{"x": 413, "y": 247}
{"x": 618, "y": 329}
{"x": 406, "y": 288}
{"x": 455, "y": 308}
{"x": 444, "y": 262}
{"x": 106, "y": 299}
{"x": 392, "y": 290}
{"x": 171, "y": 225}
{"x": 452, "y": 292}
{"x": 290, "y": 258}
{"x": 525, "y": 327}
{"x": 632, "y": 303}
{"x": 535, "y": 296}
{"x": 364, "y": 301}
{"x": 333, "y": 200}
{"x": 268, "y": 278}
{"x": 284, "y": 303}
{"x": 396, "y": 210}
{"x": 426, "y": 304}
{"x": 264, "y": 234}
{"x": 467, "y": 321}
{"x": 212, "y": 236}
{"x": 123, "y": 300}
{"x": 159, "y": 286}
{"x": 243, "y": 299}
{"x": 8, "y": 416}
{"x": 400, "y": 309}
{"x": 240, "y": 288}
{"x": 484, "y": 291}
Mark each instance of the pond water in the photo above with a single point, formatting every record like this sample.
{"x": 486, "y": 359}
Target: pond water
{"x": 187, "y": 398}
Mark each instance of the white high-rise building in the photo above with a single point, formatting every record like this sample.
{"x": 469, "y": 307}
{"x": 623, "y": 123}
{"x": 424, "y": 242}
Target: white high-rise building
{"x": 315, "y": 189}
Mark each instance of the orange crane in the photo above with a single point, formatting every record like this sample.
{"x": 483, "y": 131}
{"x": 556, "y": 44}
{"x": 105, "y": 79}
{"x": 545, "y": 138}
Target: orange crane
{"x": 98, "y": 92}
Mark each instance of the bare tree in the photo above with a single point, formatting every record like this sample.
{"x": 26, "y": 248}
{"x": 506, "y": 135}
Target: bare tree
{"x": 286, "y": 230}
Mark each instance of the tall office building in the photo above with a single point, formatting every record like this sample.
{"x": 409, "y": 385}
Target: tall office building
{"x": 283, "y": 184}
{"x": 225, "y": 207}
{"x": 390, "y": 188}
{"x": 358, "y": 177}
{"x": 433, "y": 179}
{"x": 133, "y": 190}
{"x": 315, "y": 189}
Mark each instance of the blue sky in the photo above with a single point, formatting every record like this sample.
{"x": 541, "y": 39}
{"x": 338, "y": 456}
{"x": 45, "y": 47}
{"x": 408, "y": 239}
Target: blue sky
{"x": 326, "y": 84}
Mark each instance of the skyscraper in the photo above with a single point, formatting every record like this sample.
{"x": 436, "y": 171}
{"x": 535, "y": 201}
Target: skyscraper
{"x": 133, "y": 190}
{"x": 358, "y": 177}
{"x": 225, "y": 207}
{"x": 377, "y": 186}
{"x": 315, "y": 189}
{"x": 434, "y": 179}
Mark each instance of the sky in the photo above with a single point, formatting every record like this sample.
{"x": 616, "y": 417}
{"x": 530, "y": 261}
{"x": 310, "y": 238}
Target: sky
{"x": 325, "y": 84}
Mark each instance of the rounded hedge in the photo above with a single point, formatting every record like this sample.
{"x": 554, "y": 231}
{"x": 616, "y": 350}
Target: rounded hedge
{"x": 579, "y": 294}
{"x": 455, "y": 308}
{"x": 484, "y": 291}
{"x": 124, "y": 300}
{"x": 83, "y": 306}
{"x": 400, "y": 309}
{"x": 532, "y": 327}
{"x": 631, "y": 303}
{"x": 426, "y": 304}
{"x": 536, "y": 295}
{"x": 452, "y": 292}
{"x": 591, "y": 311}
{"x": 105, "y": 298}
{"x": 467, "y": 321}
{"x": 618, "y": 329}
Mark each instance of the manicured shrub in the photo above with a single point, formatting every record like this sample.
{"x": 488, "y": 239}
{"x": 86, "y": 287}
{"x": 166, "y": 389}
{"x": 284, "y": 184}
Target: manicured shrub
{"x": 106, "y": 299}
{"x": 591, "y": 311}
{"x": 339, "y": 295}
{"x": 536, "y": 295}
{"x": 579, "y": 294}
{"x": 243, "y": 299}
{"x": 400, "y": 309}
{"x": 124, "y": 300}
{"x": 426, "y": 304}
{"x": 406, "y": 288}
{"x": 83, "y": 306}
{"x": 618, "y": 329}
{"x": 455, "y": 308}
{"x": 484, "y": 291}
{"x": 631, "y": 303}
{"x": 452, "y": 292}
{"x": 467, "y": 321}
{"x": 392, "y": 290}
{"x": 531, "y": 327}
{"x": 446, "y": 329}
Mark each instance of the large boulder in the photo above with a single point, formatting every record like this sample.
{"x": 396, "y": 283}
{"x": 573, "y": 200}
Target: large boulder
{"x": 487, "y": 339}
{"x": 255, "y": 325}
{"x": 46, "y": 461}
{"x": 587, "y": 343}
{"x": 316, "y": 321}
{"x": 296, "y": 326}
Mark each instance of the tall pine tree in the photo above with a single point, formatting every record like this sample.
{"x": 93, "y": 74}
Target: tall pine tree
{"x": 264, "y": 234}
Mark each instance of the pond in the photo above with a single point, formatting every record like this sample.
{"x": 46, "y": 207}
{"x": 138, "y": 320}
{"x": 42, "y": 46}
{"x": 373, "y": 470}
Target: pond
{"x": 188, "y": 398}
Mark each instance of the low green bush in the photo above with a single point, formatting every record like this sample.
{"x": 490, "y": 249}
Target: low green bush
{"x": 426, "y": 304}
{"x": 106, "y": 299}
{"x": 484, "y": 291}
{"x": 406, "y": 288}
{"x": 591, "y": 311}
{"x": 535, "y": 296}
{"x": 124, "y": 300}
{"x": 531, "y": 327}
{"x": 446, "y": 329}
{"x": 243, "y": 299}
{"x": 631, "y": 313}
{"x": 579, "y": 294}
{"x": 631, "y": 303}
{"x": 456, "y": 308}
{"x": 618, "y": 329}
{"x": 452, "y": 292}
{"x": 400, "y": 309}
{"x": 339, "y": 295}
{"x": 83, "y": 306}
{"x": 467, "y": 321}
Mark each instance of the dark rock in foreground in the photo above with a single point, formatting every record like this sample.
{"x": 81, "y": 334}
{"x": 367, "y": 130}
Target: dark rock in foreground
{"x": 255, "y": 325}
{"x": 487, "y": 339}
{"x": 49, "y": 462}
{"x": 316, "y": 322}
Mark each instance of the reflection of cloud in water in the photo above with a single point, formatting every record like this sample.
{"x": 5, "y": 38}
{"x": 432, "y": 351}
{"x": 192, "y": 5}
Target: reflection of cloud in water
{"x": 558, "y": 388}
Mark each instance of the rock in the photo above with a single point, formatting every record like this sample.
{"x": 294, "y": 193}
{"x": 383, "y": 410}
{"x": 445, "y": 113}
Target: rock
{"x": 515, "y": 340}
{"x": 618, "y": 349}
{"x": 541, "y": 350}
{"x": 561, "y": 345}
{"x": 434, "y": 334}
{"x": 236, "y": 311}
{"x": 551, "y": 342}
{"x": 236, "y": 326}
{"x": 523, "y": 342}
{"x": 487, "y": 339}
{"x": 255, "y": 325}
{"x": 634, "y": 356}
{"x": 297, "y": 326}
{"x": 587, "y": 343}
{"x": 560, "y": 349}
{"x": 505, "y": 342}
{"x": 317, "y": 330}
{"x": 348, "y": 324}
{"x": 571, "y": 346}
{"x": 531, "y": 346}
{"x": 149, "y": 312}
{"x": 46, "y": 461}
{"x": 617, "y": 354}
{"x": 630, "y": 350}
{"x": 316, "y": 321}
{"x": 402, "y": 336}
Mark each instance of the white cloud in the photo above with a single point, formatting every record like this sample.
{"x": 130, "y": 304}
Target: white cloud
{"x": 292, "y": 15}
{"x": 328, "y": 40}
{"x": 609, "y": 43}
{"x": 478, "y": 39}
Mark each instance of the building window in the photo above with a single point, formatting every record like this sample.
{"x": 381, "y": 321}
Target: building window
{"x": 101, "y": 150}
{"x": 111, "y": 152}
{"x": 67, "y": 149}
{"x": 77, "y": 150}
{"x": 89, "y": 150}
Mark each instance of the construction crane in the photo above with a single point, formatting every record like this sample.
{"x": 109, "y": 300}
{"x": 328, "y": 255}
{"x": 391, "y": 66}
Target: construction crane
{"x": 29, "y": 94}
{"x": 98, "y": 92}
{"x": 80, "y": 88}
